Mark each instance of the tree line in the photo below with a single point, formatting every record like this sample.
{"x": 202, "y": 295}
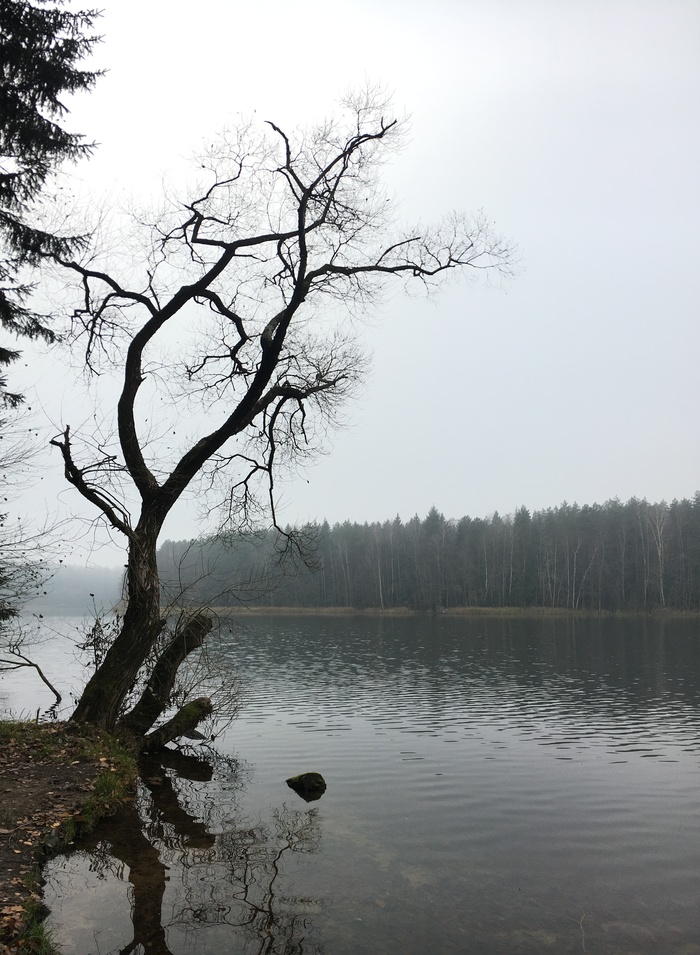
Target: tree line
{"x": 602, "y": 557}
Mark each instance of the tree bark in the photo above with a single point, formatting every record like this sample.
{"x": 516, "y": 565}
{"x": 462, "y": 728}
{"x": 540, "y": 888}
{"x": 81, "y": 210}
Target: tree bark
{"x": 103, "y": 698}
{"x": 156, "y": 696}
{"x": 183, "y": 723}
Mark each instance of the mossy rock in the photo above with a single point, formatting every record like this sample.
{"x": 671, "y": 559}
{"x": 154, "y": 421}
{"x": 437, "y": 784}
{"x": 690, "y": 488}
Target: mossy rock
{"x": 309, "y": 786}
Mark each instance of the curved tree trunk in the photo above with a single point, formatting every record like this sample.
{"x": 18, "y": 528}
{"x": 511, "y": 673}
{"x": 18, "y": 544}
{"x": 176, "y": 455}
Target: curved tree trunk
{"x": 319, "y": 189}
{"x": 156, "y": 695}
{"x": 184, "y": 723}
{"x": 103, "y": 698}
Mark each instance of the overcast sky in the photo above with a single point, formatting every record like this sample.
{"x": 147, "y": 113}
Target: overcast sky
{"x": 574, "y": 125}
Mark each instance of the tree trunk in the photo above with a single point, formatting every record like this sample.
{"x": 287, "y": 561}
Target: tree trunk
{"x": 156, "y": 696}
{"x": 183, "y": 723}
{"x": 103, "y": 698}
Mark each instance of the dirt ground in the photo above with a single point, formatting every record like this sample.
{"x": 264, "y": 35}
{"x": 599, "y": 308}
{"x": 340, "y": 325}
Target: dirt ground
{"x": 45, "y": 777}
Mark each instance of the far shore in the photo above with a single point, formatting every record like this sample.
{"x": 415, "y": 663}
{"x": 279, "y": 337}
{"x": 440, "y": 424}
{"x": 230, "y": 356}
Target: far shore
{"x": 248, "y": 611}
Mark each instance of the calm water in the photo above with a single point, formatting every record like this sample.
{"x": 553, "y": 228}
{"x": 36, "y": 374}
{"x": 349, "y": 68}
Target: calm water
{"x": 493, "y": 787}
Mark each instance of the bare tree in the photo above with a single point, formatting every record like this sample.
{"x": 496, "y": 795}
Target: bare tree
{"x": 238, "y": 316}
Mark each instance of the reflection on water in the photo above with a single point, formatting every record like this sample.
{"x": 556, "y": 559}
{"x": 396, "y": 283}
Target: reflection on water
{"x": 494, "y": 786}
{"x": 185, "y": 878}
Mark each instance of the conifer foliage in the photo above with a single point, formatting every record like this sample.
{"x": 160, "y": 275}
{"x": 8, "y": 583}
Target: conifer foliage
{"x": 41, "y": 48}
{"x": 636, "y": 556}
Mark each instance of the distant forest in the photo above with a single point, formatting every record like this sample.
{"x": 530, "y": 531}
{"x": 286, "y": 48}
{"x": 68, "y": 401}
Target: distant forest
{"x": 612, "y": 556}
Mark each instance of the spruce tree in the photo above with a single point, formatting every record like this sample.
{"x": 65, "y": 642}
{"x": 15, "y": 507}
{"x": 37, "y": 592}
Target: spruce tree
{"x": 41, "y": 47}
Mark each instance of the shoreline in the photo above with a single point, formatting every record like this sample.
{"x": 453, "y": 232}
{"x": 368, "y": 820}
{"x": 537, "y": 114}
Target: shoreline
{"x": 57, "y": 780}
{"x": 658, "y": 613}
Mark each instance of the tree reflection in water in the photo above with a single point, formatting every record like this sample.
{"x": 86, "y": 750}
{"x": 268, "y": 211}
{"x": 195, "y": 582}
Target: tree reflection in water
{"x": 240, "y": 887}
{"x": 229, "y": 878}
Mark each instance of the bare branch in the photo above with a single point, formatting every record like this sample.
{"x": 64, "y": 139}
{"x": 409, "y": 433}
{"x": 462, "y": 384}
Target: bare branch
{"x": 113, "y": 511}
{"x": 12, "y": 658}
{"x": 231, "y": 334}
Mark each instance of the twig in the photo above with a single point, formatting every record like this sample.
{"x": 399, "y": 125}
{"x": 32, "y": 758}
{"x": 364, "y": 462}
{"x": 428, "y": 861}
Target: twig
{"x": 18, "y": 660}
{"x": 579, "y": 922}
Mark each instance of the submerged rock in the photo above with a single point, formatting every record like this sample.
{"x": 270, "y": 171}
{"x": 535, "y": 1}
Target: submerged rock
{"x": 309, "y": 786}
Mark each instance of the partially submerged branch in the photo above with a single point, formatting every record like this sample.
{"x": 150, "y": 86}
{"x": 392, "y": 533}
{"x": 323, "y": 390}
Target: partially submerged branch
{"x": 184, "y": 723}
{"x": 155, "y": 699}
{"x": 12, "y": 658}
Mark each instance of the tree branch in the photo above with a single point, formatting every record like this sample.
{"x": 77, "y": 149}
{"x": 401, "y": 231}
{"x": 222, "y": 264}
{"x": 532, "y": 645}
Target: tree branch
{"x": 16, "y": 660}
{"x": 115, "y": 514}
{"x": 157, "y": 693}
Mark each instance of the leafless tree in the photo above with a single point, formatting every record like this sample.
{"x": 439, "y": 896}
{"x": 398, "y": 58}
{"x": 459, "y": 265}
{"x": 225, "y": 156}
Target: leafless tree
{"x": 238, "y": 316}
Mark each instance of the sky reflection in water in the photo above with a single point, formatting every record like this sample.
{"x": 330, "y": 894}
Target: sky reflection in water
{"x": 494, "y": 786}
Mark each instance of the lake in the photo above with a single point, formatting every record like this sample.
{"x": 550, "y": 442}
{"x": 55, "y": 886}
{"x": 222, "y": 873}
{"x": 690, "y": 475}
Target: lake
{"x": 494, "y": 786}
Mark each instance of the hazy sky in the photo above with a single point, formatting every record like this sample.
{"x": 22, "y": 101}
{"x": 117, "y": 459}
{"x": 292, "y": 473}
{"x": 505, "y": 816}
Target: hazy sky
{"x": 574, "y": 125}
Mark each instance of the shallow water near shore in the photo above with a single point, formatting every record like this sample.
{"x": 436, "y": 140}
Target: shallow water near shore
{"x": 494, "y": 786}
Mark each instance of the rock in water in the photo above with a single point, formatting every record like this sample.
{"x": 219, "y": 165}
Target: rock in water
{"x": 309, "y": 786}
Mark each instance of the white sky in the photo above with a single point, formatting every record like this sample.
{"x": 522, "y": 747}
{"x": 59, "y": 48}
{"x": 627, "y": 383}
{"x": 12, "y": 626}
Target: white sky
{"x": 574, "y": 125}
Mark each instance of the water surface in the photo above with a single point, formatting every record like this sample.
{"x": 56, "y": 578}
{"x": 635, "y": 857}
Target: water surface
{"x": 494, "y": 786}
